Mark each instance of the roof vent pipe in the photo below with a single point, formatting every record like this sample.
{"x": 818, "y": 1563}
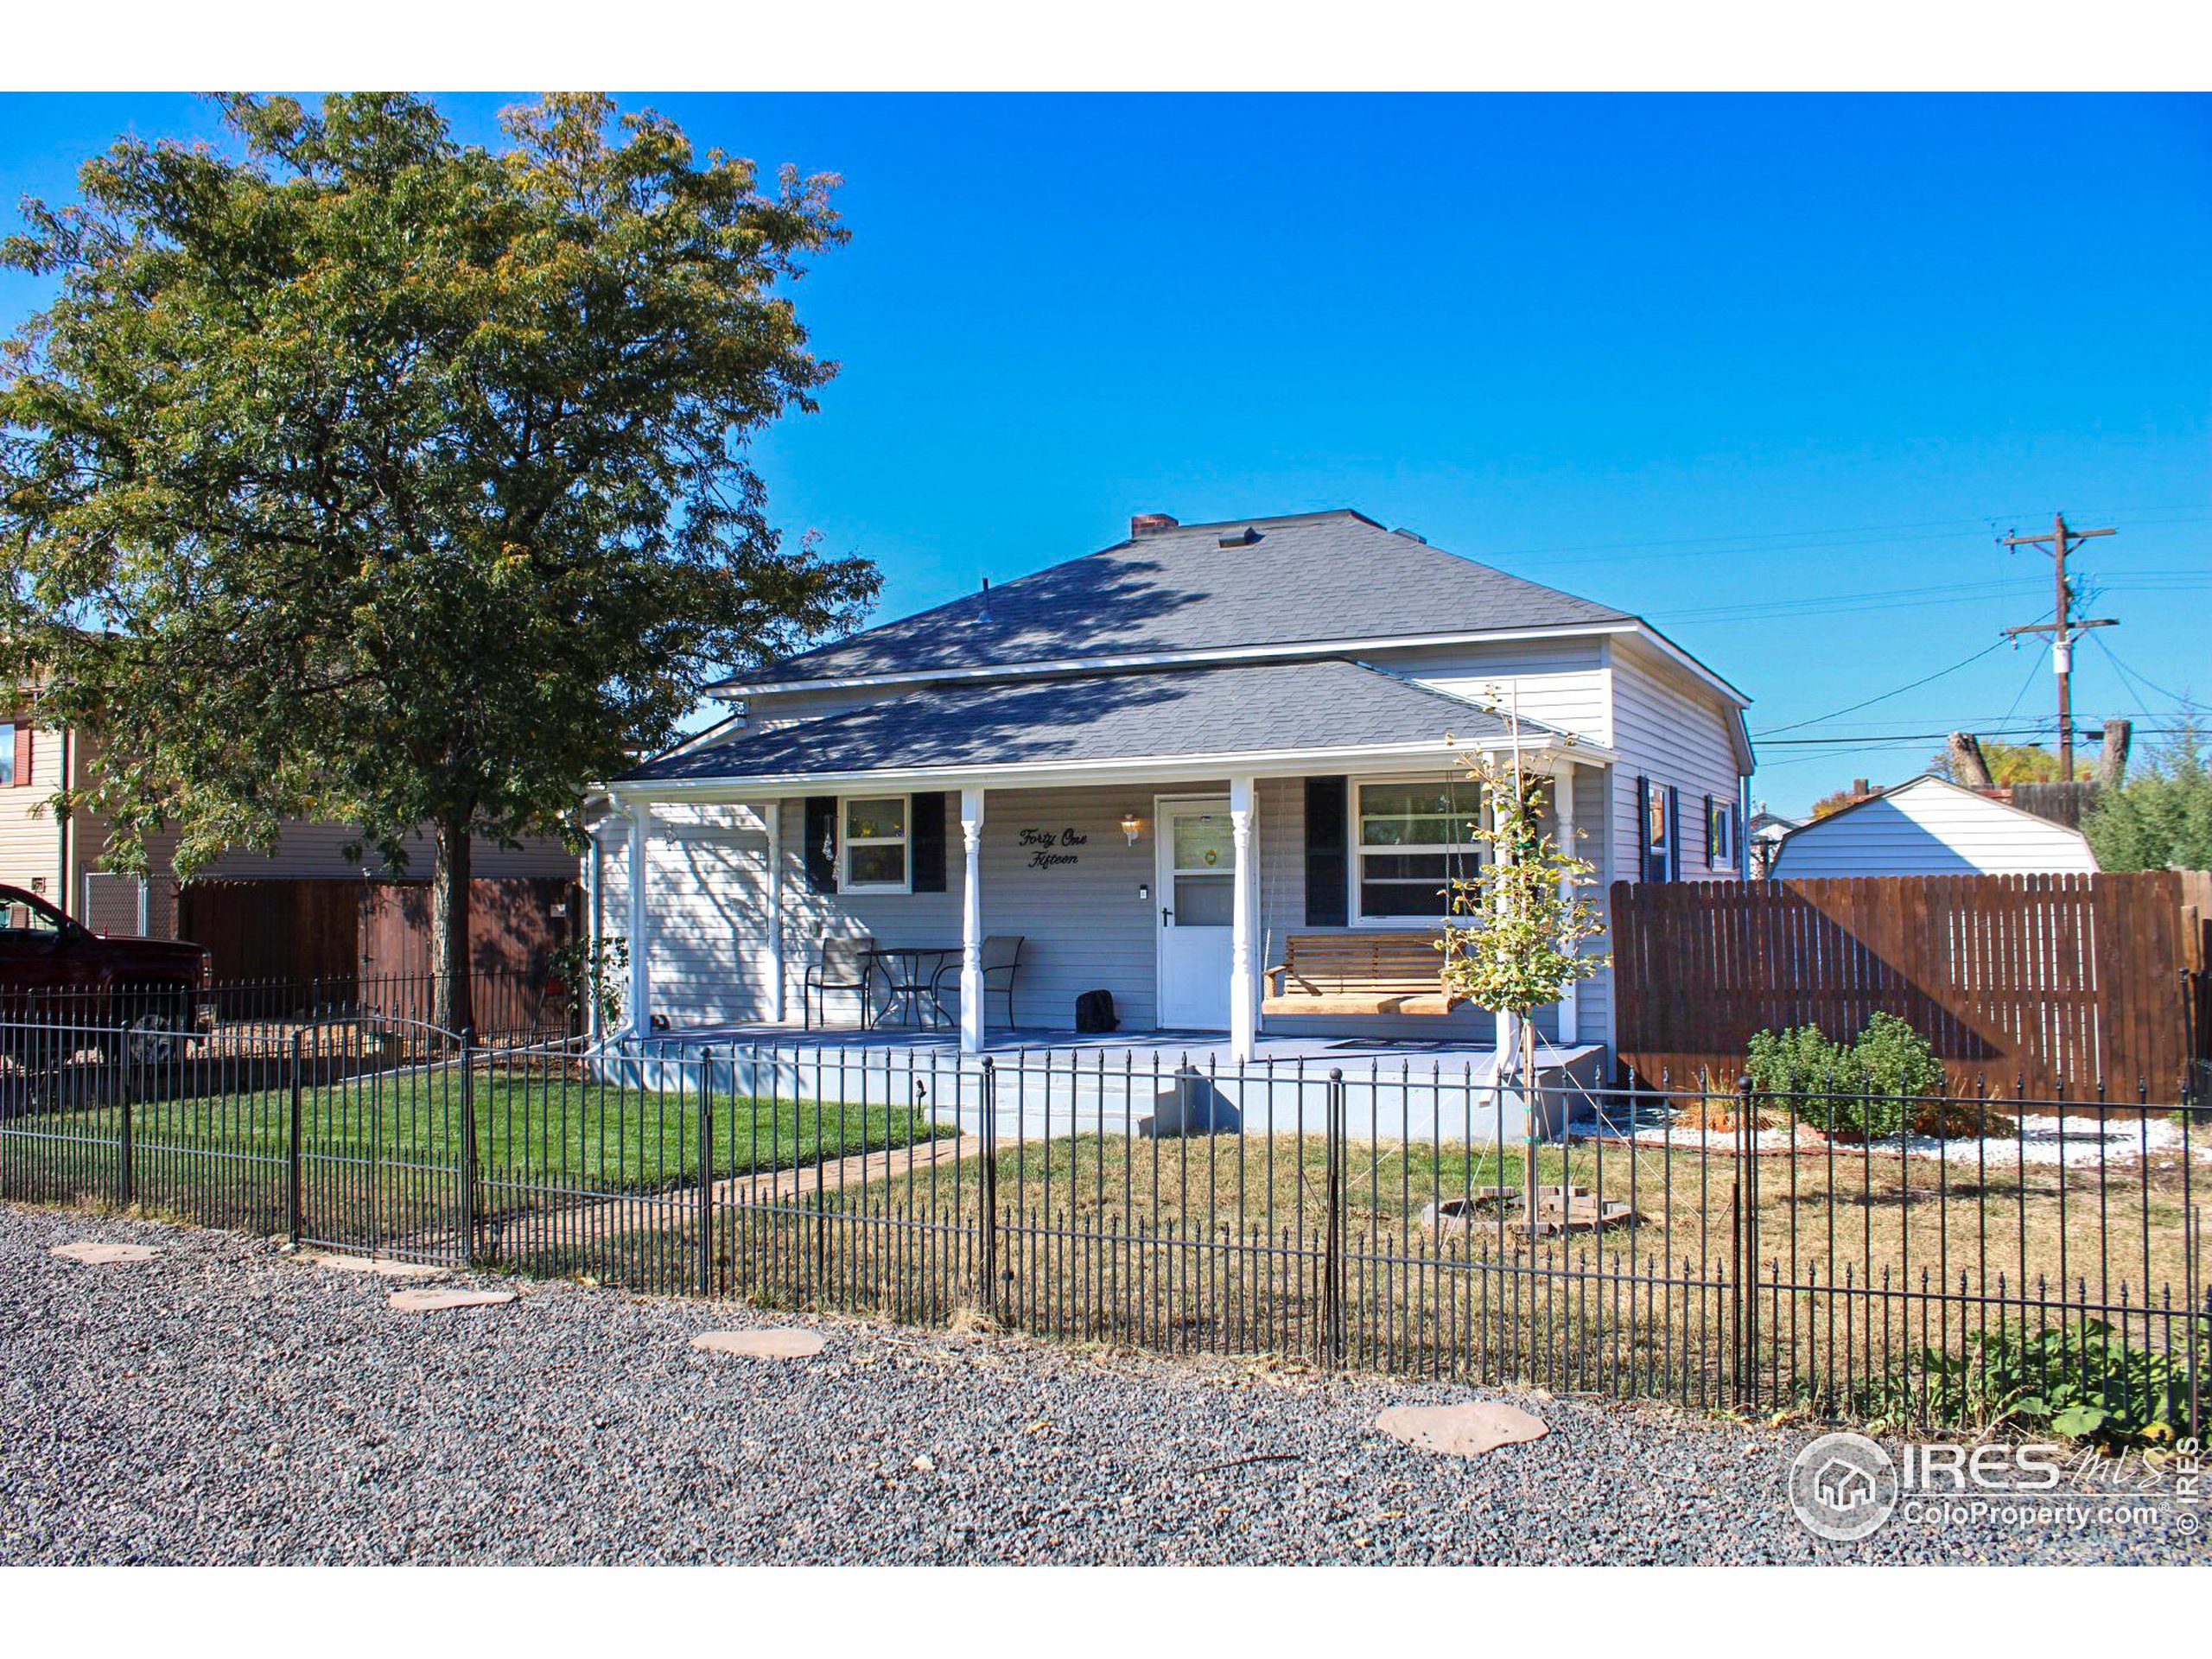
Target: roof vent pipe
{"x": 1150, "y": 523}
{"x": 1245, "y": 537}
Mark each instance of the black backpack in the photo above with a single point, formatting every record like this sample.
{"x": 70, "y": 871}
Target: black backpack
{"x": 1094, "y": 1011}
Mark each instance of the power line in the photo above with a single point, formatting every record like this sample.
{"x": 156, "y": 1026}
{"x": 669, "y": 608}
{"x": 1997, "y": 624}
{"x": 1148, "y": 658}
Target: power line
{"x": 1790, "y": 540}
{"x": 2128, "y": 673}
{"x": 1887, "y": 738}
{"x": 1914, "y": 685}
{"x": 1891, "y": 599}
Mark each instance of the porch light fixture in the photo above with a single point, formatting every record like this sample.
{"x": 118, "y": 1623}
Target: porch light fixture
{"x": 1130, "y": 824}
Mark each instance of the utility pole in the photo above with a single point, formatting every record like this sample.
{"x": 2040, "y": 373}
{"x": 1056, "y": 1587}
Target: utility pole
{"x": 2063, "y": 626}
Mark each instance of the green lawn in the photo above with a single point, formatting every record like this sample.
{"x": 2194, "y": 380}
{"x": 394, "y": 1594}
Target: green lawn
{"x": 561, "y": 1130}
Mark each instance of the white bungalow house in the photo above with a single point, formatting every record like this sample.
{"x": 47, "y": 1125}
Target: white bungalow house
{"x": 1932, "y": 827}
{"x": 1160, "y": 765}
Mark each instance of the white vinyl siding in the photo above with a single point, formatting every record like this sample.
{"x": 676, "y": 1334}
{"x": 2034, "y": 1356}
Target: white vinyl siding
{"x": 1672, "y": 730}
{"x": 1281, "y": 814}
{"x": 1932, "y": 828}
{"x": 707, "y": 868}
{"x": 1558, "y": 683}
{"x": 1084, "y": 926}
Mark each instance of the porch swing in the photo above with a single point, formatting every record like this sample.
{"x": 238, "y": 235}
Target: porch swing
{"x": 1362, "y": 972}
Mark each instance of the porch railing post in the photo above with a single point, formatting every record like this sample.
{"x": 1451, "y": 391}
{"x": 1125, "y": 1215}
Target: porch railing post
{"x": 1242, "y": 1002}
{"x": 973, "y": 1014}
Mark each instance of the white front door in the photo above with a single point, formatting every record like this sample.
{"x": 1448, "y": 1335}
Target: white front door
{"x": 1197, "y": 868}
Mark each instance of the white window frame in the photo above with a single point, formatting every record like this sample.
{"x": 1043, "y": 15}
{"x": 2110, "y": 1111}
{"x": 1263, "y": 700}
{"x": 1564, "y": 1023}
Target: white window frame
{"x": 1356, "y": 862}
{"x": 1720, "y": 854}
{"x": 904, "y": 842}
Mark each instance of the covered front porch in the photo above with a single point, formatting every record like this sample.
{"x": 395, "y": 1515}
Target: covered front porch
{"x": 1031, "y": 1084}
{"x": 1108, "y": 834}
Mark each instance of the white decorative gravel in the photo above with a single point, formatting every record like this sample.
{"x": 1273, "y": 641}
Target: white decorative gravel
{"x": 2082, "y": 1142}
{"x": 2077, "y": 1142}
{"x": 237, "y": 1406}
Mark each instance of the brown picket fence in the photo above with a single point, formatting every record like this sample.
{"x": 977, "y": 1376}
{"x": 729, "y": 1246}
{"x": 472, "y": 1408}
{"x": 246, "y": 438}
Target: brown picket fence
{"x": 2046, "y": 986}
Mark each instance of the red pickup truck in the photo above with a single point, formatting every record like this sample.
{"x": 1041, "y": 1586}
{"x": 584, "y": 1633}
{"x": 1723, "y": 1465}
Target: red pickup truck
{"x": 54, "y": 971}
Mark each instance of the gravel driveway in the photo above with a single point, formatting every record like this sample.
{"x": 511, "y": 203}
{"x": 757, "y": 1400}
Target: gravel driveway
{"x": 228, "y": 1403}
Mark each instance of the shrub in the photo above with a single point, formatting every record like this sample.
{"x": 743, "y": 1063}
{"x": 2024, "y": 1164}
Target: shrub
{"x": 1860, "y": 1091}
{"x": 2081, "y": 1381}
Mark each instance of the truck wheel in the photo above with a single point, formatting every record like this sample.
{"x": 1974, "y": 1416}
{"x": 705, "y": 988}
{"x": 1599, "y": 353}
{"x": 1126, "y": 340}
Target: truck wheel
{"x": 153, "y": 1033}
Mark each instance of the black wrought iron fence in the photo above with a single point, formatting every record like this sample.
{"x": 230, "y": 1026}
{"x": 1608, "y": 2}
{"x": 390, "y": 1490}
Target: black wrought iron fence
{"x": 232, "y": 1017}
{"x": 1919, "y": 1260}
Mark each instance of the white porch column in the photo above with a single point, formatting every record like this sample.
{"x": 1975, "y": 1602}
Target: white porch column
{"x": 594, "y": 924}
{"x": 641, "y": 941}
{"x": 971, "y": 922}
{"x": 1563, "y": 811}
{"x": 772, "y": 815}
{"x": 1504, "y": 1036}
{"x": 1242, "y": 1004}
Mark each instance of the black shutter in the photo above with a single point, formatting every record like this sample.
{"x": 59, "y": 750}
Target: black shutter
{"x": 1644, "y": 867}
{"x": 1708, "y": 832}
{"x": 820, "y": 843}
{"x": 1328, "y": 867}
{"x": 1674, "y": 833}
{"x": 926, "y": 828}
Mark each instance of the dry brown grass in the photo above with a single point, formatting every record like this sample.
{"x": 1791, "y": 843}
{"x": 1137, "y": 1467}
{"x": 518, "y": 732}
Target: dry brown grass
{"x": 1819, "y": 1216}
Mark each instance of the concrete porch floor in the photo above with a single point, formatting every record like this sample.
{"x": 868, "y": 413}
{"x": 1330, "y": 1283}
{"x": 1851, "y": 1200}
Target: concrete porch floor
{"x": 1057, "y": 1081}
{"x": 1204, "y": 1049}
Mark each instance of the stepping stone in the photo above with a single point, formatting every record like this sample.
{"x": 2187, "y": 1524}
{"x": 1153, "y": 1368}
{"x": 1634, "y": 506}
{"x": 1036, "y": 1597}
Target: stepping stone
{"x": 760, "y": 1345}
{"x": 100, "y": 1255}
{"x": 1465, "y": 1430}
{"x": 380, "y": 1264}
{"x": 434, "y": 1301}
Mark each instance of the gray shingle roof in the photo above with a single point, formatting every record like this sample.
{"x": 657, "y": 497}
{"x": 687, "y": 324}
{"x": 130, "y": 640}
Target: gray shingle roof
{"x": 1248, "y": 708}
{"x": 1315, "y": 577}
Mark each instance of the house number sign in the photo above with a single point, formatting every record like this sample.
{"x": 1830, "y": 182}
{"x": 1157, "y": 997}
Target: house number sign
{"x": 1049, "y": 849}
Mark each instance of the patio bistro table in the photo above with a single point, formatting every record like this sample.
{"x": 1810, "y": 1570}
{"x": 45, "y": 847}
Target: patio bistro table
{"x": 908, "y": 970}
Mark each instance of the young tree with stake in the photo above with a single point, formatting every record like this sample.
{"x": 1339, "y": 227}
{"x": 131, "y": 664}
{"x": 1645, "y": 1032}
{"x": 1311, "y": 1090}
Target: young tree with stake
{"x": 1521, "y": 947}
{"x": 364, "y": 475}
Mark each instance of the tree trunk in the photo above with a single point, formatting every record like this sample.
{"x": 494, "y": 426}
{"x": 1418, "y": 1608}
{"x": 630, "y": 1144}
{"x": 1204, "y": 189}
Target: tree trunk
{"x": 1969, "y": 762}
{"x": 453, "y": 1006}
{"x": 1527, "y": 1035}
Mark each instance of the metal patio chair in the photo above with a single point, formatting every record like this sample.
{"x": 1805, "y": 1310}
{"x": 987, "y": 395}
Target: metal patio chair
{"x": 844, "y": 965}
{"x": 1001, "y": 961}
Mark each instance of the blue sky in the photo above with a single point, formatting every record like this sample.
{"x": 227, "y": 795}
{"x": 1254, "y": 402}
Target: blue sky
{"x": 1772, "y": 372}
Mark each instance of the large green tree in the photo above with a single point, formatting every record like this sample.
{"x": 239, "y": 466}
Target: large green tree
{"x": 359, "y": 474}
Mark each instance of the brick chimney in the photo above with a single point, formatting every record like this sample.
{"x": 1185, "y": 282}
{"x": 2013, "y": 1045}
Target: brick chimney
{"x": 1150, "y": 523}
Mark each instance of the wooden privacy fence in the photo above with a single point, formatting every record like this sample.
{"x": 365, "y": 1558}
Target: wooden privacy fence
{"x": 301, "y": 931}
{"x": 2045, "y": 982}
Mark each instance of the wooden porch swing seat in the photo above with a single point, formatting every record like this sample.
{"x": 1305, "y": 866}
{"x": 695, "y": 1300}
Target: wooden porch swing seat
{"x": 1359, "y": 972}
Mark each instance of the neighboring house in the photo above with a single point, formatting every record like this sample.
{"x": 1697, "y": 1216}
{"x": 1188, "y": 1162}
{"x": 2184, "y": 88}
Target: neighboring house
{"x": 61, "y": 857}
{"x": 1929, "y": 827}
{"x": 1764, "y": 836}
{"x": 1155, "y": 763}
